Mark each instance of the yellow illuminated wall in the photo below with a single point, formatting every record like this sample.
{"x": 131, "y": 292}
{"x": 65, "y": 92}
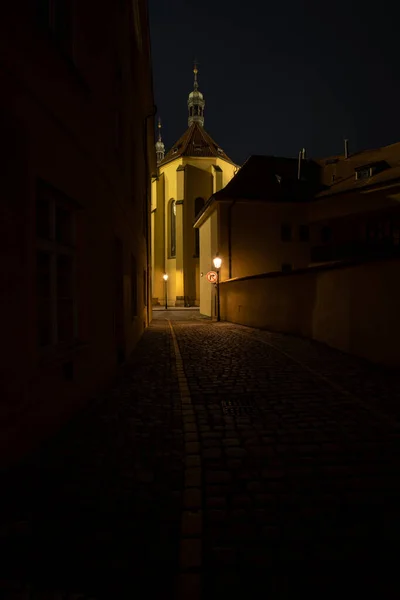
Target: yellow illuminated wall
{"x": 182, "y": 180}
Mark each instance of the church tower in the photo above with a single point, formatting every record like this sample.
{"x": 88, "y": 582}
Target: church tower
{"x": 187, "y": 175}
{"x": 160, "y": 148}
{"x": 196, "y": 103}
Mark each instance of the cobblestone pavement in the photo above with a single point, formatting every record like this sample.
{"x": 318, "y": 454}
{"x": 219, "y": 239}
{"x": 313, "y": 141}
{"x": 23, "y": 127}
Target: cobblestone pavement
{"x": 97, "y": 512}
{"x": 224, "y": 459}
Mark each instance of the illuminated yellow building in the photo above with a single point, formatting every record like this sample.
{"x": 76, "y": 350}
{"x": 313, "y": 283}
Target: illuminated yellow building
{"x": 187, "y": 175}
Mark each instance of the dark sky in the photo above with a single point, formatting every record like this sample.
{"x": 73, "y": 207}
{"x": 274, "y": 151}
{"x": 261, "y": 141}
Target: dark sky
{"x": 280, "y": 76}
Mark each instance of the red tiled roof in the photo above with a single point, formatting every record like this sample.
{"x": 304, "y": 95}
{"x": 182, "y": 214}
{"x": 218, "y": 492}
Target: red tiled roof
{"x": 195, "y": 142}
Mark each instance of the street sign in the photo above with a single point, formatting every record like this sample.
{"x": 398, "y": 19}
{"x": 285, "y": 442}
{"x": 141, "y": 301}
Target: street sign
{"x": 212, "y": 276}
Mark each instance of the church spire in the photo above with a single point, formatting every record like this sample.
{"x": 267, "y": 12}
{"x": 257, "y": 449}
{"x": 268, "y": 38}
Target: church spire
{"x": 160, "y": 148}
{"x": 196, "y": 102}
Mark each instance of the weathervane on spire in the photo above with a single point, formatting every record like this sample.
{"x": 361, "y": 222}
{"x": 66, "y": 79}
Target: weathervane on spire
{"x": 195, "y": 71}
{"x": 159, "y": 129}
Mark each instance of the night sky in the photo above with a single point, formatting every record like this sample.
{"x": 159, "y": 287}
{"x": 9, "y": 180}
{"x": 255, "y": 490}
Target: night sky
{"x": 277, "y": 77}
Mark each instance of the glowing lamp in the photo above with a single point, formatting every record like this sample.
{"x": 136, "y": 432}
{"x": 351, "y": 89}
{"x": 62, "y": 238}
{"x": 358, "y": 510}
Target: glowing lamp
{"x": 217, "y": 262}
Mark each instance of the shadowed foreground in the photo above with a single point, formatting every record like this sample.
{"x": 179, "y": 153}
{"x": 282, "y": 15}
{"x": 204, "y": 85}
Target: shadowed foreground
{"x": 240, "y": 459}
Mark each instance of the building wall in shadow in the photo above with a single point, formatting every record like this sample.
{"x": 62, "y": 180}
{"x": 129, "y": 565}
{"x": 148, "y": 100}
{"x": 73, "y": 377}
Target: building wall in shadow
{"x": 76, "y": 156}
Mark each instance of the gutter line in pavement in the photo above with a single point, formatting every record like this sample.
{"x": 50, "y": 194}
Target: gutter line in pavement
{"x": 190, "y": 556}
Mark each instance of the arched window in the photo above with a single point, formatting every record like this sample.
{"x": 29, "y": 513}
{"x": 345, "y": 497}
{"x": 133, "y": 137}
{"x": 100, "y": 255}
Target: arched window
{"x": 172, "y": 228}
{"x": 198, "y": 207}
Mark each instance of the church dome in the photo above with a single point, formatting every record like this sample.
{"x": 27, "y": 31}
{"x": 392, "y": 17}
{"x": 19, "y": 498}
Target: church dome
{"x": 196, "y": 95}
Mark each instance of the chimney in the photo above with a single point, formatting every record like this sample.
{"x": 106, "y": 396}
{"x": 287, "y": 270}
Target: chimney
{"x": 299, "y": 165}
{"x": 346, "y": 148}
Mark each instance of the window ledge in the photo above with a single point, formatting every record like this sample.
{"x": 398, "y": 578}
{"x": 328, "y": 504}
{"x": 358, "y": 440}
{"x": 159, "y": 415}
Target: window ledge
{"x": 55, "y": 355}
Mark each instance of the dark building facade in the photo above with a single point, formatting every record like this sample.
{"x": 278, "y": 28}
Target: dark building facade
{"x": 77, "y": 148}
{"x": 357, "y": 214}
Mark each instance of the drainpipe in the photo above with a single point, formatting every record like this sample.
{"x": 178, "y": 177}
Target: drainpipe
{"x": 147, "y": 187}
{"x": 299, "y": 165}
{"x": 230, "y": 238}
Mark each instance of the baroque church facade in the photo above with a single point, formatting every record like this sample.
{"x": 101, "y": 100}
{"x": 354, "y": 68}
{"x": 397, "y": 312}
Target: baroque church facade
{"x": 194, "y": 169}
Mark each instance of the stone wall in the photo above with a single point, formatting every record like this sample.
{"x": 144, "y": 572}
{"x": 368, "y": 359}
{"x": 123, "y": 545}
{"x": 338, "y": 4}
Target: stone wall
{"x": 351, "y": 306}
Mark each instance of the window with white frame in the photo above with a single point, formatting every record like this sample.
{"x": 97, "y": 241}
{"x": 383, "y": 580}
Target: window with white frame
{"x": 55, "y": 267}
{"x": 363, "y": 173}
{"x": 57, "y": 17}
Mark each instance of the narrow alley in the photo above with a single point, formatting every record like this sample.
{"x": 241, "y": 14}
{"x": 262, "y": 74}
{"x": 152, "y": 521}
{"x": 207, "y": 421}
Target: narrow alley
{"x": 222, "y": 458}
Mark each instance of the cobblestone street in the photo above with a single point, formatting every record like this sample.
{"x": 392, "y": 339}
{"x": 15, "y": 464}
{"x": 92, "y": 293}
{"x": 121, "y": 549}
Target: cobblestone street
{"x": 222, "y": 458}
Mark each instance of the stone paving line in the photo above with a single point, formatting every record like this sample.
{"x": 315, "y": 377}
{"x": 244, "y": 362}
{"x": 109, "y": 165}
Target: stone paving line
{"x": 189, "y": 585}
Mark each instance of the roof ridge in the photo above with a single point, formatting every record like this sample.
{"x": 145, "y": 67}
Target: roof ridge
{"x": 189, "y": 137}
{"x": 204, "y": 135}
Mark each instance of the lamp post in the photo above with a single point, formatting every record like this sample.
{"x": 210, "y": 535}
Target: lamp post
{"x": 165, "y": 277}
{"x": 217, "y": 264}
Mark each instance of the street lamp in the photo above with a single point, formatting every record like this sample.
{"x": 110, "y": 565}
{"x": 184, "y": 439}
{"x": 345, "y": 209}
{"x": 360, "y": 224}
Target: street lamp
{"x": 165, "y": 277}
{"x": 217, "y": 264}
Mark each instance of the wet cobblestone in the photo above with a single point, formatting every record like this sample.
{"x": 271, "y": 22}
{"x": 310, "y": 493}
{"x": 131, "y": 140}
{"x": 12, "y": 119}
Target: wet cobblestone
{"x": 310, "y": 478}
{"x": 158, "y": 482}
